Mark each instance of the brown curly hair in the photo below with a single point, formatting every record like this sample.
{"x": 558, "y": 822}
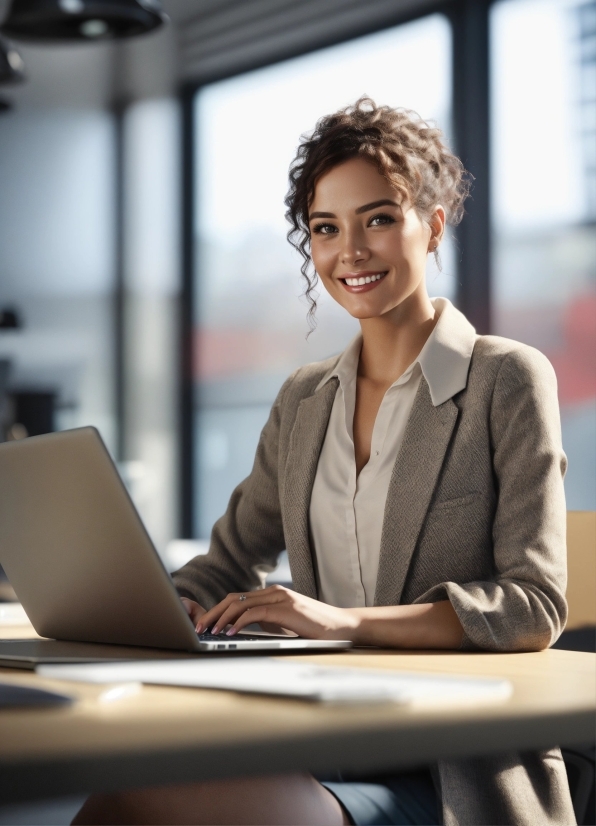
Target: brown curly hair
{"x": 407, "y": 150}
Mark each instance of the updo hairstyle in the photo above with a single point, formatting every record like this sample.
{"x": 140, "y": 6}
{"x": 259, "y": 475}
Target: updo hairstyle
{"x": 409, "y": 153}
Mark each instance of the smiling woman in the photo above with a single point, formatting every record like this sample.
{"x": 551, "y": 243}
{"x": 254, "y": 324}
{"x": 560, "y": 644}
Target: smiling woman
{"x": 416, "y": 481}
{"x": 416, "y": 170}
{"x": 377, "y": 249}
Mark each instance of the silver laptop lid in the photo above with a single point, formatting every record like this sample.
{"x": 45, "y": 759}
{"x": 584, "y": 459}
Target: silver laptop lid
{"x": 75, "y": 549}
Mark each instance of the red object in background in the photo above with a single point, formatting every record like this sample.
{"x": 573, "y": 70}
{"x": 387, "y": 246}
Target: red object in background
{"x": 575, "y": 363}
{"x": 226, "y": 353}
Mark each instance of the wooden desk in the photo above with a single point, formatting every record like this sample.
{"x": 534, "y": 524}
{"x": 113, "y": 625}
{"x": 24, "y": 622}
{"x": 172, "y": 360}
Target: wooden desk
{"x": 174, "y": 734}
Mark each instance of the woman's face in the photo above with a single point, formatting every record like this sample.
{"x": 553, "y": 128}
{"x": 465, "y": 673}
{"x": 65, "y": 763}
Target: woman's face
{"x": 361, "y": 228}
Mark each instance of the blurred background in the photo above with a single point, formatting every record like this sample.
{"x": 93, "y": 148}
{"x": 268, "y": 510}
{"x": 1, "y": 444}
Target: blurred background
{"x": 146, "y": 285}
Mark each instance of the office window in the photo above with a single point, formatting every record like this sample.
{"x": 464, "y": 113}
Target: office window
{"x": 544, "y": 205}
{"x": 57, "y": 265}
{"x": 250, "y": 324}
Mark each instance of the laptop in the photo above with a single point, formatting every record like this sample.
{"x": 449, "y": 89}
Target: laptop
{"x": 77, "y": 554}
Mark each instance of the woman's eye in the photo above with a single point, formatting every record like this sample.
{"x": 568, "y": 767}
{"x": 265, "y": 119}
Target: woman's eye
{"x": 380, "y": 220}
{"x": 324, "y": 229}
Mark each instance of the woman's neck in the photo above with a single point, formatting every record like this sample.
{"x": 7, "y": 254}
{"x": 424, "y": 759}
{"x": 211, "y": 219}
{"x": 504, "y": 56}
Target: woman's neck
{"x": 390, "y": 343}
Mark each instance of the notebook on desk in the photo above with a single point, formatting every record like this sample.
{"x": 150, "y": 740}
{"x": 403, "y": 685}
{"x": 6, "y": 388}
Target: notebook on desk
{"x": 83, "y": 566}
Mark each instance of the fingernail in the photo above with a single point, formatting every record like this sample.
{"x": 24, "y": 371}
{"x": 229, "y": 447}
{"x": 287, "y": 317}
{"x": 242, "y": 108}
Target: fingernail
{"x": 199, "y": 628}
{"x": 215, "y": 629}
{"x": 231, "y": 632}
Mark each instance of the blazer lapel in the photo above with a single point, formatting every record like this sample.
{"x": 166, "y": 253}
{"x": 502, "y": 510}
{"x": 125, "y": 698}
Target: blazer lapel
{"x": 306, "y": 441}
{"x": 413, "y": 481}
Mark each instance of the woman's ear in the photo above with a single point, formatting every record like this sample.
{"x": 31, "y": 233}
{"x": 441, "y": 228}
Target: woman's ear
{"x": 437, "y": 228}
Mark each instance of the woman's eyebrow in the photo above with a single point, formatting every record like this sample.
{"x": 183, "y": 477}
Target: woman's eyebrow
{"x": 375, "y": 204}
{"x": 359, "y": 211}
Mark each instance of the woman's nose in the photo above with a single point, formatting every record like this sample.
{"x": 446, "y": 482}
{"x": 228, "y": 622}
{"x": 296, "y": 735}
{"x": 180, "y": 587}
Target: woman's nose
{"x": 354, "y": 249}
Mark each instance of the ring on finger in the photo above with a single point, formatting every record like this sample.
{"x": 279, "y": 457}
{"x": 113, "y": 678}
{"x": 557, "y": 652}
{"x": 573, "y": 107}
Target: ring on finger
{"x": 242, "y": 597}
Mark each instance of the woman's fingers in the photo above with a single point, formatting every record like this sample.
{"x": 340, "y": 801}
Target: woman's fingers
{"x": 238, "y": 607}
{"x": 210, "y": 618}
{"x": 283, "y": 614}
{"x": 229, "y": 616}
{"x": 230, "y": 608}
{"x": 194, "y": 610}
{"x": 260, "y": 613}
{"x": 188, "y": 604}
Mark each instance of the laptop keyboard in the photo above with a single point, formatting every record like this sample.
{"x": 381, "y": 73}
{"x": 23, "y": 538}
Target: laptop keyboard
{"x": 224, "y": 638}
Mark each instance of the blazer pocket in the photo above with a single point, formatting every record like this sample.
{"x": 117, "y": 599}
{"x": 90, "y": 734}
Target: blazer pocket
{"x": 458, "y": 502}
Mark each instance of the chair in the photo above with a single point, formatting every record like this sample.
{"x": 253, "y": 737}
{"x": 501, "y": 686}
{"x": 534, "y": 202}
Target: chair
{"x": 580, "y": 635}
{"x": 581, "y": 568}
{"x": 580, "y": 767}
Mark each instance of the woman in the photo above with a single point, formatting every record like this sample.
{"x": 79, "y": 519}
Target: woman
{"x": 415, "y": 480}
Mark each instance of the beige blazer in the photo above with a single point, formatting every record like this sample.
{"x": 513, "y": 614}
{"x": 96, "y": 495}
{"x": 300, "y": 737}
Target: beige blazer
{"x": 475, "y": 513}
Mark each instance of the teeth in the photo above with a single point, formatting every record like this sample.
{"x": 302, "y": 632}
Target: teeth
{"x": 358, "y": 282}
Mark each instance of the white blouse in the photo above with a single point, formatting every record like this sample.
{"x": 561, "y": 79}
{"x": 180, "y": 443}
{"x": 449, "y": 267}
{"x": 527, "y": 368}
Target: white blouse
{"x": 346, "y": 512}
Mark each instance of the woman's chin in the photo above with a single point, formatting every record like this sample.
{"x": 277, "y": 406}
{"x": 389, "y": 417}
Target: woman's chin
{"x": 365, "y": 311}
{"x": 365, "y": 316}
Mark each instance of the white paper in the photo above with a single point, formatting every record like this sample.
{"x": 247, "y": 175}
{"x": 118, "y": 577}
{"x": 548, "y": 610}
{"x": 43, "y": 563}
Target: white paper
{"x": 13, "y": 613}
{"x": 307, "y": 681}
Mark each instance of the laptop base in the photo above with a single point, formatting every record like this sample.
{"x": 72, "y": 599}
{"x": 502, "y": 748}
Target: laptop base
{"x": 26, "y": 654}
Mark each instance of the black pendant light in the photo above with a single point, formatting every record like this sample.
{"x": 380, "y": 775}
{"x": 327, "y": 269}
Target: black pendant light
{"x": 54, "y": 20}
{"x": 12, "y": 68}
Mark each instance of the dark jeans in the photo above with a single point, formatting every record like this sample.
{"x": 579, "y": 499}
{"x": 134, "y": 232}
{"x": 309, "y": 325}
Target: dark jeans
{"x": 404, "y": 799}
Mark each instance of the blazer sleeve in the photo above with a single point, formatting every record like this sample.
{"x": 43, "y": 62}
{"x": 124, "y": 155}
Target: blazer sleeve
{"x": 524, "y": 607}
{"x": 247, "y": 540}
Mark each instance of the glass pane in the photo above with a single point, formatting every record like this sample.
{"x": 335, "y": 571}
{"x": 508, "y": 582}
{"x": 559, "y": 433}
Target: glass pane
{"x": 544, "y": 206}
{"x": 56, "y": 262}
{"x": 228, "y": 437}
{"x": 250, "y": 322}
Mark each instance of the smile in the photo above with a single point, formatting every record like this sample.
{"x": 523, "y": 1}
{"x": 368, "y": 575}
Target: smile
{"x": 363, "y": 283}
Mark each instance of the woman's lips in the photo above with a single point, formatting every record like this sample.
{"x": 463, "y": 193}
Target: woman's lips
{"x": 373, "y": 279}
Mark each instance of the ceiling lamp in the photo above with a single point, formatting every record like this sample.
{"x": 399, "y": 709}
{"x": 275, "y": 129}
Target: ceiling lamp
{"x": 12, "y": 68}
{"x": 52, "y": 20}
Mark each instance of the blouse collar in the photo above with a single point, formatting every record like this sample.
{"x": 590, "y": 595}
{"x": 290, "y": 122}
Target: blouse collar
{"x": 444, "y": 359}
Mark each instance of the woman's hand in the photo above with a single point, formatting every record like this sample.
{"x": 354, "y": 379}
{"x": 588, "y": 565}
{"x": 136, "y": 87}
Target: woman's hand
{"x": 419, "y": 626}
{"x": 194, "y": 610}
{"x": 278, "y": 605}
